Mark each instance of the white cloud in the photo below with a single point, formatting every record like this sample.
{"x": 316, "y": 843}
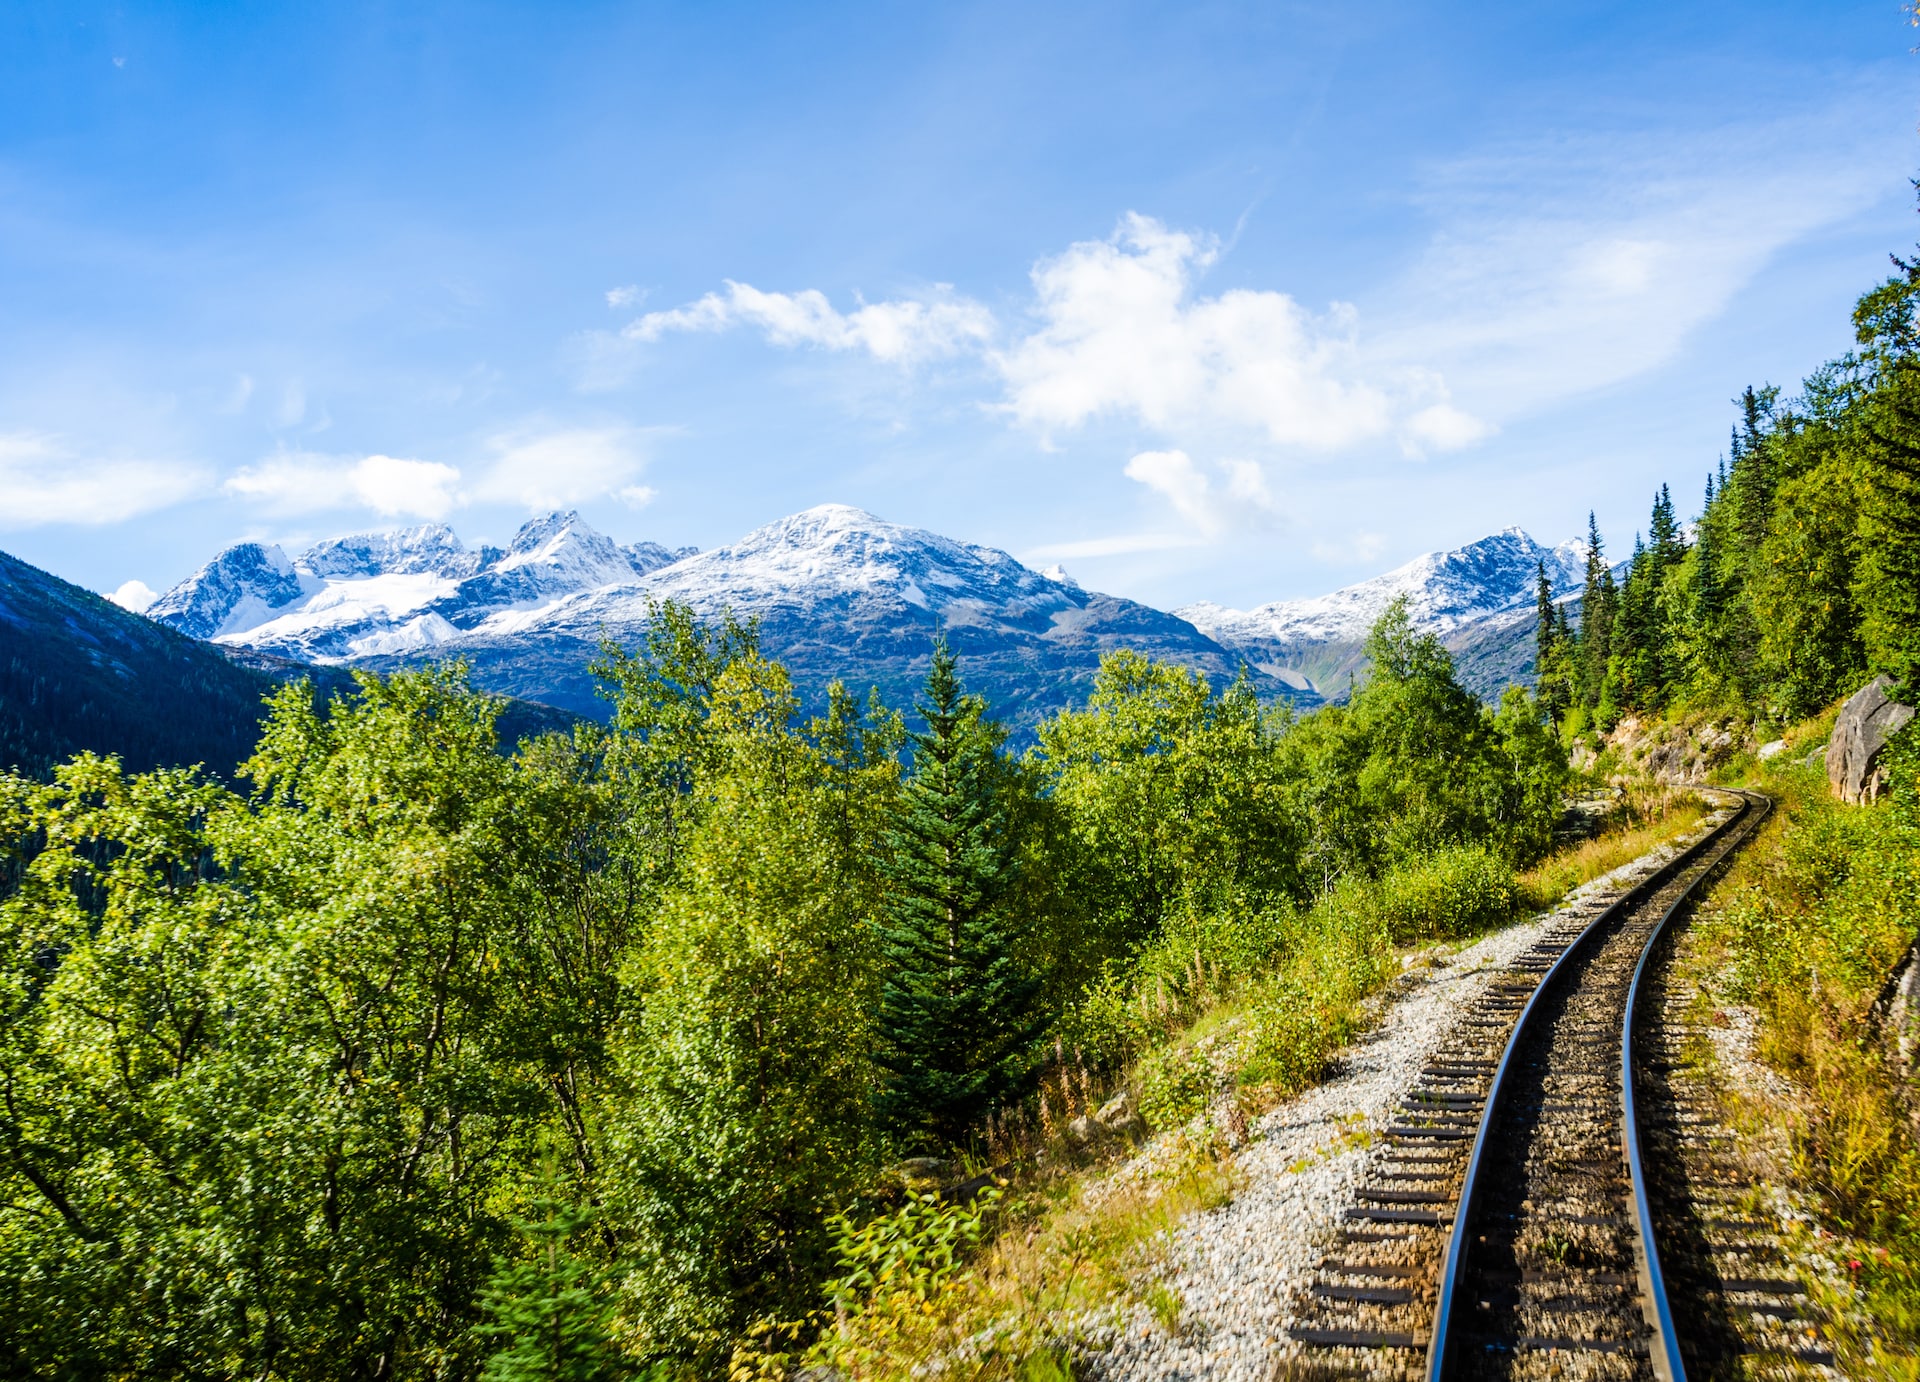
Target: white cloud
{"x": 904, "y": 332}
{"x": 1238, "y": 499}
{"x": 625, "y": 296}
{"x": 1361, "y": 547}
{"x": 134, "y": 595}
{"x": 44, "y": 480}
{"x": 1123, "y": 334}
{"x": 1119, "y": 545}
{"x": 548, "y": 470}
{"x": 293, "y": 404}
{"x": 293, "y": 482}
{"x": 1571, "y": 264}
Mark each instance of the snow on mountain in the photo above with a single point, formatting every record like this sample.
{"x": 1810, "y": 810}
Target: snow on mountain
{"x": 1444, "y": 590}
{"x": 837, "y": 594}
{"x": 237, "y": 590}
{"x": 841, "y": 594}
{"x": 829, "y": 557}
{"x": 382, "y": 594}
{"x": 1451, "y": 594}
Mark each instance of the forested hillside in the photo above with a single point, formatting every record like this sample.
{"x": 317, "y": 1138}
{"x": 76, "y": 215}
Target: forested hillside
{"x": 1798, "y": 582}
{"x": 1801, "y": 575}
{"x": 80, "y": 674}
{"x": 590, "y": 1056}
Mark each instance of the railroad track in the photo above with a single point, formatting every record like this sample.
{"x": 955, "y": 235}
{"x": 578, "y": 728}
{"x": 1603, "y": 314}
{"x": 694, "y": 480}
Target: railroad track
{"x": 1556, "y": 1198}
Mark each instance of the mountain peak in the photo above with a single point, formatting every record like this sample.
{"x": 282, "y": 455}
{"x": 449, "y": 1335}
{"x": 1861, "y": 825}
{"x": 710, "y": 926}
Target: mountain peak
{"x": 1443, "y": 590}
{"x": 426, "y": 548}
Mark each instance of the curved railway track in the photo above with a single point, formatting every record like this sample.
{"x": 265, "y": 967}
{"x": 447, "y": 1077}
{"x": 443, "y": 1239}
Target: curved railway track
{"x": 1557, "y": 1199}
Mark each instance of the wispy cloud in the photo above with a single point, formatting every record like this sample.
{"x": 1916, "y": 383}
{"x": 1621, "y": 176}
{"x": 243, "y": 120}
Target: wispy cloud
{"x": 551, "y": 468}
{"x": 1569, "y": 264}
{"x": 46, "y": 479}
{"x": 296, "y": 482}
{"x": 1118, "y": 545}
{"x": 1233, "y": 496}
{"x": 904, "y": 331}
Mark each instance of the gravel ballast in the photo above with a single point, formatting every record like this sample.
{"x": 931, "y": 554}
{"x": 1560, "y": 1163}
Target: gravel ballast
{"x": 1238, "y": 1269}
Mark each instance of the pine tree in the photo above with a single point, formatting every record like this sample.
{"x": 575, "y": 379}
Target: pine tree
{"x": 1887, "y": 583}
{"x": 1596, "y": 619}
{"x": 1549, "y": 664}
{"x": 550, "y": 1311}
{"x": 957, "y": 1014}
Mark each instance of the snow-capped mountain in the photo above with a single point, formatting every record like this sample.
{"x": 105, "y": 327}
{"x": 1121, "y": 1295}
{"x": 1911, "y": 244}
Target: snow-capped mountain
{"x": 374, "y": 594}
{"x": 1444, "y": 590}
{"x": 841, "y": 594}
{"x": 837, "y": 592}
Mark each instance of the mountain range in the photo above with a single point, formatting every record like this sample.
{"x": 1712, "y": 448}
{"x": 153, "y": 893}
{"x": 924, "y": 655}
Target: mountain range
{"x": 837, "y": 593}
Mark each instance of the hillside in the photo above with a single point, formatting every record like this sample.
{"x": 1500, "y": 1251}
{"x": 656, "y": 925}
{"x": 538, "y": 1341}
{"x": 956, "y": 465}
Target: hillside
{"x": 1478, "y": 598}
{"x": 77, "y": 673}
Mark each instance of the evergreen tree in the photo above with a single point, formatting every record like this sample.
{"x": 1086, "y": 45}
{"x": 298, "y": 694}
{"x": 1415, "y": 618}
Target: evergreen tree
{"x": 1596, "y": 620}
{"x": 956, "y": 1013}
{"x": 550, "y": 1311}
{"x": 1887, "y": 585}
{"x": 1664, "y": 537}
{"x": 1550, "y": 650}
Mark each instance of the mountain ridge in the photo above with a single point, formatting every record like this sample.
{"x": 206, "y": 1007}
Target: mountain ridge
{"x": 839, "y": 593}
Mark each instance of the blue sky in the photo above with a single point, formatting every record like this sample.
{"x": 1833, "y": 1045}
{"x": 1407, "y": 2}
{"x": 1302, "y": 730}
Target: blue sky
{"x": 1230, "y": 302}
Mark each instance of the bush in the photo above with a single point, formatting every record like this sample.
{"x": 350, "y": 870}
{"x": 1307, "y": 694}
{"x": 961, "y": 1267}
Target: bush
{"x": 1441, "y": 896}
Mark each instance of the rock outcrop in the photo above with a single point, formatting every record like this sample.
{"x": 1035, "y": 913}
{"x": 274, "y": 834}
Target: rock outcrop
{"x": 1868, "y": 719}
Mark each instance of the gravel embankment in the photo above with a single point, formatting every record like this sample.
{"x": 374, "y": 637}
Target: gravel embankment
{"x": 1238, "y": 1268}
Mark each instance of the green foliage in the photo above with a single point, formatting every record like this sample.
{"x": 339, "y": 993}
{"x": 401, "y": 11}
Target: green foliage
{"x": 1819, "y": 915}
{"x": 748, "y": 1070}
{"x": 956, "y": 1008}
{"x": 911, "y": 1253}
{"x": 421, "y": 1059}
{"x": 549, "y": 1310}
{"x": 1803, "y": 575}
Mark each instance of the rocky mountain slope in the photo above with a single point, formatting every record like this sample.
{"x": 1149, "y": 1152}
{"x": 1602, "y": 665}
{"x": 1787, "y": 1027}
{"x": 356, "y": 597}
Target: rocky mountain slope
{"x": 838, "y": 593}
{"x": 1479, "y": 599}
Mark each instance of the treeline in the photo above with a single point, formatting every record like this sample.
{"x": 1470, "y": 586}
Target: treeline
{"x": 421, "y": 1059}
{"x": 1800, "y": 577}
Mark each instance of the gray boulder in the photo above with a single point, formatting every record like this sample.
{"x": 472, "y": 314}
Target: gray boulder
{"x": 1868, "y": 719}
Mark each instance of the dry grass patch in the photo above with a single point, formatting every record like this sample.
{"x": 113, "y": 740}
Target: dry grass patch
{"x": 1649, "y": 817}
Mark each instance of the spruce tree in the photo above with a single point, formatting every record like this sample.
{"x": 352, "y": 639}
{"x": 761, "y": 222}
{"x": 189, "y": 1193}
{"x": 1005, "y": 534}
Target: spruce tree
{"x": 957, "y": 1014}
{"x": 1549, "y": 659}
{"x": 550, "y": 1313}
{"x": 1596, "y": 619}
{"x": 1887, "y": 582}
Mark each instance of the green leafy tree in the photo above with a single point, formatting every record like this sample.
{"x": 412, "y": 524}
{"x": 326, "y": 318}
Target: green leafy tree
{"x": 746, "y": 1115}
{"x": 957, "y": 1013}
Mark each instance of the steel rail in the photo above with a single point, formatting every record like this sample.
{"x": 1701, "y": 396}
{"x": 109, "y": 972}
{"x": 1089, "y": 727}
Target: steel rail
{"x": 1454, "y": 1267}
{"x": 1665, "y": 1345}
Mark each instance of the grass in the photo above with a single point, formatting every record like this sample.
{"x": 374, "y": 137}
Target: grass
{"x": 1805, "y": 929}
{"x": 1078, "y": 1242}
{"x": 1645, "y": 819}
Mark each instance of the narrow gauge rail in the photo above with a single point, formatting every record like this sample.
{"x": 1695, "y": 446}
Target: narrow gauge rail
{"x": 1514, "y": 1140}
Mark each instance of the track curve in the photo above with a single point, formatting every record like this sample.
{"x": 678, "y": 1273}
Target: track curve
{"x": 1553, "y": 1265}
